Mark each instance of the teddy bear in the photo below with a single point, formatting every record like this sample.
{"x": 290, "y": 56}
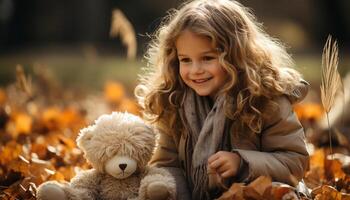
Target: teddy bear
{"x": 119, "y": 147}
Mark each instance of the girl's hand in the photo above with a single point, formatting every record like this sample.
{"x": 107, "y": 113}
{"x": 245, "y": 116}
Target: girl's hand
{"x": 225, "y": 163}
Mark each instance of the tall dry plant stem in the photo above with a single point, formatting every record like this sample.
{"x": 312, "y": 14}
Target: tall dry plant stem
{"x": 122, "y": 27}
{"x": 330, "y": 80}
{"x": 23, "y": 82}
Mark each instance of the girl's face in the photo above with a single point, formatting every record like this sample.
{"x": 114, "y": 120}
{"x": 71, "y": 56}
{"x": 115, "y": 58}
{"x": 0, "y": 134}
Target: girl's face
{"x": 199, "y": 64}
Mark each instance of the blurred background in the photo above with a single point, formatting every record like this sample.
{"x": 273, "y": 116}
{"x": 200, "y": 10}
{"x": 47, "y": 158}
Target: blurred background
{"x": 72, "y": 38}
{"x": 64, "y": 63}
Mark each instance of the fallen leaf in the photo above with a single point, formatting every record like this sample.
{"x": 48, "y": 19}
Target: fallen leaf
{"x": 114, "y": 92}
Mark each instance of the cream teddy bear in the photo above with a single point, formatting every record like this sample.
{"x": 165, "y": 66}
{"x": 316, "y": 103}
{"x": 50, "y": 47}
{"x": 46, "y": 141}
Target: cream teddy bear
{"x": 118, "y": 146}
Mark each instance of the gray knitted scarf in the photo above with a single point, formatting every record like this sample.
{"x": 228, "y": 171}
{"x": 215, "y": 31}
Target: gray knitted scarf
{"x": 205, "y": 126}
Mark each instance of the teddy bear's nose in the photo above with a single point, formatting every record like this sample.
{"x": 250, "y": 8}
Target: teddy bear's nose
{"x": 122, "y": 166}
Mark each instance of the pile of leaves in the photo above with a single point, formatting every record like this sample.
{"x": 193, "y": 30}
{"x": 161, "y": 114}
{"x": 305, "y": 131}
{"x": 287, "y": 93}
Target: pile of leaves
{"x": 39, "y": 122}
{"x": 328, "y": 176}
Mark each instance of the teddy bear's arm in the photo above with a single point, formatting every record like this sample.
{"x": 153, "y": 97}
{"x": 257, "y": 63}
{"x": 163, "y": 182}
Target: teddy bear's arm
{"x": 53, "y": 190}
{"x": 157, "y": 184}
{"x": 86, "y": 184}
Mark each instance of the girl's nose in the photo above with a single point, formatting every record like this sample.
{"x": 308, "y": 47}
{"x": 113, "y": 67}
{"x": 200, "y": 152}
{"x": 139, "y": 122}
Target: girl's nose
{"x": 197, "y": 68}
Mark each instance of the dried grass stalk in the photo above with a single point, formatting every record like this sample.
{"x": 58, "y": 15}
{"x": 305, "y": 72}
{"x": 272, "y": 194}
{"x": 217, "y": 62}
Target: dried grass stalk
{"x": 330, "y": 80}
{"x": 121, "y": 26}
{"x": 23, "y": 83}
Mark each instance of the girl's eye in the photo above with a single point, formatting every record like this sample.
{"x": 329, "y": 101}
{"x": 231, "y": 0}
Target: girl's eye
{"x": 185, "y": 60}
{"x": 208, "y": 58}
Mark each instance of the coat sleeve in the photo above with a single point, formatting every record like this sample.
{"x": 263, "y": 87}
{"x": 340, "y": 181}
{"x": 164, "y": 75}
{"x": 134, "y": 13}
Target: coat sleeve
{"x": 165, "y": 154}
{"x": 166, "y": 157}
{"x": 283, "y": 155}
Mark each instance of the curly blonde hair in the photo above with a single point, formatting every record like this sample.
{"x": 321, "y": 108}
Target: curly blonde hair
{"x": 259, "y": 67}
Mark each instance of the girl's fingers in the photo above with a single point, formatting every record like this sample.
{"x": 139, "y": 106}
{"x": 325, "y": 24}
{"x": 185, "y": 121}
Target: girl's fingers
{"x": 225, "y": 171}
{"x": 213, "y": 157}
{"x": 223, "y": 163}
{"x": 215, "y": 163}
{"x": 223, "y": 168}
{"x": 227, "y": 174}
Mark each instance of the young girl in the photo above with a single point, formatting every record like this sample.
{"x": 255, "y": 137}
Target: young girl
{"x": 220, "y": 90}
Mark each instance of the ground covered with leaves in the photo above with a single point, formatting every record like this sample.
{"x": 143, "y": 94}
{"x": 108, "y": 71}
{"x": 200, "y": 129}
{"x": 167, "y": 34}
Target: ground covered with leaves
{"x": 40, "y": 120}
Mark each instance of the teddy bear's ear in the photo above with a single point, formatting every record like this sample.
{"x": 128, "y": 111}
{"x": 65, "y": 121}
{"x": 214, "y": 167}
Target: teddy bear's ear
{"x": 142, "y": 129}
{"x": 85, "y": 135}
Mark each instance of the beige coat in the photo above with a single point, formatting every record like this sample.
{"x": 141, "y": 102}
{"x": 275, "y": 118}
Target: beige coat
{"x": 279, "y": 151}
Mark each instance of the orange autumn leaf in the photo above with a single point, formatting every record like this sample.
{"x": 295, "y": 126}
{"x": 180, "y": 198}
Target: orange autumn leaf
{"x": 316, "y": 174}
{"x": 11, "y": 193}
{"x": 23, "y": 123}
{"x": 3, "y": 97}
{"x": 326, "y": 192}
{"x": 260, "y": 188}
{"x": 333, "y": 169}
{"x": 283, "y": 191}
{"x": 260, "y": 184}
{"x": 309, "y": 111}
{"x": 19, "y": 165}
{"x": 71, "y": 118}
{"x": 28, "y": 187}
{"x": 130, "y": 106}
{"x": 52, "y": 138}
{"x": 68, "y": 172}
{"x": 317, "y": 160}
{"x": 345, "y": 196}
{"x": 40, "y": 170}
{"x": 2, "y": 173}
{"x": 69, "y": 142}
{"x": 9, "y": 152}
{"x": 114, "y": 92}
{"x": 234, "y": 192}
{"x": 39, "y": 149}
{"x": 57, "y": 176}
{"x": 51, "y": 118}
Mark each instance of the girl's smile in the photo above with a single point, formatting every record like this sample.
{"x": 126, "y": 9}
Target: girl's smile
{"x": 200, "y": 81}
{"x": 200, "y": 68}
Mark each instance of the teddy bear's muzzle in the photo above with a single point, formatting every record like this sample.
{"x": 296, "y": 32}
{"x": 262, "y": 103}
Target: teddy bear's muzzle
{"x": 120, "y": 167}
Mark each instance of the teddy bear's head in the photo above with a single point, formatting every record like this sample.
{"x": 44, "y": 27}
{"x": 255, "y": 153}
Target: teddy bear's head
{"x": 119, "y": 144}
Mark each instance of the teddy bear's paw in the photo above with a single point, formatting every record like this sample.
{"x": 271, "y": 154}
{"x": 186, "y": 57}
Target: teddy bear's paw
{"x": 157, "y": 191}
{"x": 50, "y": 191}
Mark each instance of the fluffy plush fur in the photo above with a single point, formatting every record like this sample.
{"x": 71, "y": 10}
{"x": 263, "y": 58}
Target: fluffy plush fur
{"x": 119, "y": 147}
